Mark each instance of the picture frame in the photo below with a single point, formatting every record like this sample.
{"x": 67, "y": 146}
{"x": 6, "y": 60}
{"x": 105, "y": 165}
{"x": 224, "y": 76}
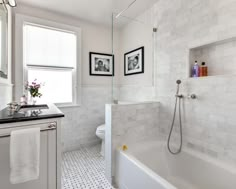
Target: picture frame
{"x": 134, "y": 61}
{"x": 101, "y": 64}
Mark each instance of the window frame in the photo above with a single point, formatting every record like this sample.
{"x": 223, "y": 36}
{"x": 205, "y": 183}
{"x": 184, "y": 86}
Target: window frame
{"x": 4, "y": 43}
{"x": 21, "y": 21}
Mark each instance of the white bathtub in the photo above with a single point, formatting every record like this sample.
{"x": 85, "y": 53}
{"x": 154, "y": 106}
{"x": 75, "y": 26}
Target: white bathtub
{"x": 150, "y": 166}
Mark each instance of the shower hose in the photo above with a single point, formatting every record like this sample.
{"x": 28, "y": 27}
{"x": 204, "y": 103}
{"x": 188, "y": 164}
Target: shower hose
{"x": 177, "y": 103}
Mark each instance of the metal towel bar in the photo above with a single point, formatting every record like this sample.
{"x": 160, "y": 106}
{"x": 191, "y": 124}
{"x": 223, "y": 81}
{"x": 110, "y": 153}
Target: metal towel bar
{"x": 52, "y": 126}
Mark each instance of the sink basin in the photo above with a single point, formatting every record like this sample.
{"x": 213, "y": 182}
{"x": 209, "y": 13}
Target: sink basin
{"x": 32, "y": 107}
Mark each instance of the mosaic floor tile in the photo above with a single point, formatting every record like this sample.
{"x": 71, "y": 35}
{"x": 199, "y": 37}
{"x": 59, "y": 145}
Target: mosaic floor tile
{"x": 84, "y": 169}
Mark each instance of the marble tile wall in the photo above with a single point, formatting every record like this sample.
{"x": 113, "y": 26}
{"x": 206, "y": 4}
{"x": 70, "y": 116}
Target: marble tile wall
{"x": 136, "y": 93}
{"x": 80, "y": 123}
{"x": 209, "y": 122}
{"x": 220, "y": 57}
{"x": 134, "y": 122}
{"x": 131, "y": 123}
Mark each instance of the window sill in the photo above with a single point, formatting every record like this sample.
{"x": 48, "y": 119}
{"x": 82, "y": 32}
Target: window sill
{"x": 68, "y": 106}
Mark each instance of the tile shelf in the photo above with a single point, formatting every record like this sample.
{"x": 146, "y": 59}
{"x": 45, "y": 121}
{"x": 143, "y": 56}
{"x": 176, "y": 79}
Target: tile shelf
{"x": 220, "y": 57}
{"x": 213, "y": 76}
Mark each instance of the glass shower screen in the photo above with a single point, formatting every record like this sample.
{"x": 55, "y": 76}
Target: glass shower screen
{"x": 133, "y": 47}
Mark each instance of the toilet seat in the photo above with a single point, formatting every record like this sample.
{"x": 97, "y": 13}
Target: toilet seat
{"x": 100, "y": 132}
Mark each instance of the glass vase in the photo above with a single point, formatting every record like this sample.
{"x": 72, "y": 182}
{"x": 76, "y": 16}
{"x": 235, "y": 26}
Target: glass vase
{"x": 33, "y": 100}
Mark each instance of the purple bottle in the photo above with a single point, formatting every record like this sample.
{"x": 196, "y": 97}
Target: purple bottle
{"x": 195, "y": 71}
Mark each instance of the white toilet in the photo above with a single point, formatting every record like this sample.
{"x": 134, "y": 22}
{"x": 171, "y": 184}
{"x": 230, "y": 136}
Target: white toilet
{"x": 100, "y": 132}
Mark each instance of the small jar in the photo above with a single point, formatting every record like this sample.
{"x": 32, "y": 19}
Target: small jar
{"x": 23, "y": 100}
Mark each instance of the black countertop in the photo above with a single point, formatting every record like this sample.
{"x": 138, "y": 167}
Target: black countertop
{"x": 6, "y": 116}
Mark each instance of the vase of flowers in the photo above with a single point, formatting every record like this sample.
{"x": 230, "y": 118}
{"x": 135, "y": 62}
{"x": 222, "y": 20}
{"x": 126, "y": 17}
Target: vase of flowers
{"x": 33, "y": 88}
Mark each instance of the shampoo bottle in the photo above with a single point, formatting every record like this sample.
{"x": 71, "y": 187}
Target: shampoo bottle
{"x": 201, "y": 70}
{"x": 195, "y": 70}
{"x": 205, "y": 69}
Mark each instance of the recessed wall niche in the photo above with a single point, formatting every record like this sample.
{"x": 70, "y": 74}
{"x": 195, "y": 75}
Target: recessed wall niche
{"x": 220, "y": 57}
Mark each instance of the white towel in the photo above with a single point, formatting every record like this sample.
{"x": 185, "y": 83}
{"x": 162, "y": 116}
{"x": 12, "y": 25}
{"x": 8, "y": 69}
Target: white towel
{"x": 24, "y": 155}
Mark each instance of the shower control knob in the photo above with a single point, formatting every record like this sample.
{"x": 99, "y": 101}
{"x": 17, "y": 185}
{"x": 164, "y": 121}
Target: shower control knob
{"x": 179, "y": 96}
{"x": 192, "y": 96}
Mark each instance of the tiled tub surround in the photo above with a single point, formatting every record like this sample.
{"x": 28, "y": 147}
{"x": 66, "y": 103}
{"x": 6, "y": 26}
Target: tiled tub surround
{"x": 209, "y": 121}
{"x": 127, "y": 124}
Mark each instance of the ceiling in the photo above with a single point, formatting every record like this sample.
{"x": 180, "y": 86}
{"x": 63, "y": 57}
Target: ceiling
{"x": 97, "y": 11}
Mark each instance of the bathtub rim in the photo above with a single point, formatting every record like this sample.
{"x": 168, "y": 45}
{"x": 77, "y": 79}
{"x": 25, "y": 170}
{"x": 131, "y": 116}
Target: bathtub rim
{"x": 149, "y": 171}
{"x": 223, "y": 165}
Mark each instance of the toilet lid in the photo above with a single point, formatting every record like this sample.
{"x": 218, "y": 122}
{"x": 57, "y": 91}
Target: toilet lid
{"x": 101, "y": 128}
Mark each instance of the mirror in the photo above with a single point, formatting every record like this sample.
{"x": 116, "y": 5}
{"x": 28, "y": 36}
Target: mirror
{"x": 3, "y": 42}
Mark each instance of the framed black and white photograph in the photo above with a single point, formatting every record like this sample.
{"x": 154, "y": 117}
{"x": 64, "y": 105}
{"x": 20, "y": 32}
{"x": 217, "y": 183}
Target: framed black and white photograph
{"x": 134, "y": 61}
{"x": 101, "y": 64}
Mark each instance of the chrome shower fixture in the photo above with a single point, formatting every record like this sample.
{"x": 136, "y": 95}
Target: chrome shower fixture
{"x": 178, "y": 98}
{"x": 155, "y": 30}
{"x": 178, "y": 81}
{"x": 177, "y": 95}
{"x": 192, "y": 96}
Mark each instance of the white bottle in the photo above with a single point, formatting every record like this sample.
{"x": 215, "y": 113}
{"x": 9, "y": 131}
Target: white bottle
{"x": 23, "y": 100}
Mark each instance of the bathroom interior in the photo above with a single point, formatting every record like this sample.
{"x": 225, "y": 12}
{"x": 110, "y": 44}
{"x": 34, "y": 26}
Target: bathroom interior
{"x": 128, "y": 94}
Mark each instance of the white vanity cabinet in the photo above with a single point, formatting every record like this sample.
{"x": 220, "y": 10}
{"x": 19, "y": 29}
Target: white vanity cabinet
{"x": 50, "y": 154}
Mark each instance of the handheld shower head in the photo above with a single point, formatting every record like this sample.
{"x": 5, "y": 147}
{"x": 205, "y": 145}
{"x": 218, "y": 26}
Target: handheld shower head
{"x": 178, "y": 81}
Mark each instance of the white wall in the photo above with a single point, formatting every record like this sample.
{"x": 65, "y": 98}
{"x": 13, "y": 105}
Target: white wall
{"x": 132, "y": 36}
{"x": 94, "y": 38}
{"x": 5, "y": 95}
{"x": 80, "y": 123}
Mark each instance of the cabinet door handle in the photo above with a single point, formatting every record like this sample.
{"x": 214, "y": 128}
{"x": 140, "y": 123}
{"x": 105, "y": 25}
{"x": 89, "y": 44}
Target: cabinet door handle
{"x": 52, "y": 125}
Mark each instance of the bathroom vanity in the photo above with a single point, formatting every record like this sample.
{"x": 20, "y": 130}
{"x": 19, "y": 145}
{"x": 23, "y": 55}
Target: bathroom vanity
{"x": 48, "y": 119}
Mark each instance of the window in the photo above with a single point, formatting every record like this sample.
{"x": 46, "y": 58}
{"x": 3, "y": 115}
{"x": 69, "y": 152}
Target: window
{"x": 50, "y": 56}
{"x": 1, "y": 43}
{"x": 57, "y": 84}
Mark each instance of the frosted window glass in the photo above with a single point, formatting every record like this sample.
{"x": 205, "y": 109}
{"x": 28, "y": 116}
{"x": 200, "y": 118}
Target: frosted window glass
{"x": 57, "y": 85}
{"x": 50, "y": 47}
